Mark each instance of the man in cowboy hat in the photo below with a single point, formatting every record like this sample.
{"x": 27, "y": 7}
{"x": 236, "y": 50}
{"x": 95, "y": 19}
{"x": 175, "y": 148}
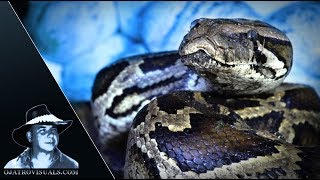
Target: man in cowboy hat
{"x": 40, "y": 135}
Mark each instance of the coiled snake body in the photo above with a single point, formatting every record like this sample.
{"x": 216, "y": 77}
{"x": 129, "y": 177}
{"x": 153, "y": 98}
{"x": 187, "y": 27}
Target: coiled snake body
{"x": 217, "y": 108}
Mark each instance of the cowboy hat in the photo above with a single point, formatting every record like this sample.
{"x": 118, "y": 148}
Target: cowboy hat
{"x": 38, "y": 115}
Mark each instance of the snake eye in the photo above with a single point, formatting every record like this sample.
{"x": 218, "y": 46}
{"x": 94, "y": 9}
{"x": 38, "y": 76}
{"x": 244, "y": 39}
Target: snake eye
{"x": 252, "y": 35}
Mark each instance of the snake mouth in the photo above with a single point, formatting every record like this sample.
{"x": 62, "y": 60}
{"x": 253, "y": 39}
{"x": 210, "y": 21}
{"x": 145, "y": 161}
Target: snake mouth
{"x": 202, "y": 62}
{"x": 202, "y": 59}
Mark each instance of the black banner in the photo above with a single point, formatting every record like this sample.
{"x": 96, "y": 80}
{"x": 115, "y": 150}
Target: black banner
{"x": 26, "y": 82}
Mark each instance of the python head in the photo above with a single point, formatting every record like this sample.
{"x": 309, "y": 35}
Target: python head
{"x": 239, "y": 56}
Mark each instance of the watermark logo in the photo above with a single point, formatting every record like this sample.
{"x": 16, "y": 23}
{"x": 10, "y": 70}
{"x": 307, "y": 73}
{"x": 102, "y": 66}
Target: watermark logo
{"x": 40, "y": 172}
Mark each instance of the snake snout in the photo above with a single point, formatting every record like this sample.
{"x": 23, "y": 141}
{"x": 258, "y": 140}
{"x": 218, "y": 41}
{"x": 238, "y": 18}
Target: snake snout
{"x": 190, "y": 46}
{"x": 198, "y": 59}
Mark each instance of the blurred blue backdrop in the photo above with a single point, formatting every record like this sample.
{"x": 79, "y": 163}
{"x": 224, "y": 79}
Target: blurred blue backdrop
{"x": 77, "y": 39}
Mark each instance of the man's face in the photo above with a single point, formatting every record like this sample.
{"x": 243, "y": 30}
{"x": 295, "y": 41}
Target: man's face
{"x": 45, "y": 137}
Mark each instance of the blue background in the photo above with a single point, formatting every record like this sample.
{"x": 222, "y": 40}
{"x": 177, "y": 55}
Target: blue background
{"x": 77, "y": 39}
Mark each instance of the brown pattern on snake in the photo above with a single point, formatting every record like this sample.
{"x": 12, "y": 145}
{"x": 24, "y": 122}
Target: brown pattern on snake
{"x": 204, "y": 138}
{"x": 255, "y": 127}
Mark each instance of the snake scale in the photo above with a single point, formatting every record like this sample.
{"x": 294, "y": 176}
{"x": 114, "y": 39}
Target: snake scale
{"x": 216, "y": 108}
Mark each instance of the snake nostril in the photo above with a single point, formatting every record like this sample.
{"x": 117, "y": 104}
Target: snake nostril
{"x": 196, "y": 23}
